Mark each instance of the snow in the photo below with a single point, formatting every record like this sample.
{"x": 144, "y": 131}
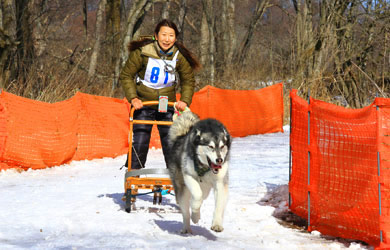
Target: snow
{"x": 79, "y": 206}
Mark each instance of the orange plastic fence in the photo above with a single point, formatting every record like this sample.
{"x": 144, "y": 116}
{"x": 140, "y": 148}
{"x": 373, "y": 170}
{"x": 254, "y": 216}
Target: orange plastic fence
{"x": 340, "y": 172}
{"x": 37, "y": 135}
{"x": 243, "y": 112}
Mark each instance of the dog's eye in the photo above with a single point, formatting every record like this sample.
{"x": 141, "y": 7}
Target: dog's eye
{"x": 212, "y": 147}
{"x": 222, "y": 147}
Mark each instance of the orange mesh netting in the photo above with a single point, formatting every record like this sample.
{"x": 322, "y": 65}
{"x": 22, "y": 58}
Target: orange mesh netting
{"x": 345, "y": 184}
{"x": 36, "y": 135}
{"x": 243, "y": 112}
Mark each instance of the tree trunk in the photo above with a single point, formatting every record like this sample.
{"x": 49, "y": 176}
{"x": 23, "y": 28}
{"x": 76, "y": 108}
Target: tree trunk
{"x": 204, "y": 43}
{"x": 113, "y": 30}
{"x": 242, "y": 52}
{"x": 307, "y": 43}
{"x": 343, "y": 21}
{"x": 229, "y": 33}
{"x": 165, "y": 9}
{"x": 181, "y": 17}
{"x": 134, "y": 20}
{"x": 85, "y": 17}
{"x": 6, "y": 41}
{"x": 7, "y": 44}
{"x": 96, "y": 47}
{"x": 39, "y": 23}
{"x": 1, "y": 15}
{"x": 208, "y": 10}
{"x": 25, "y": 48}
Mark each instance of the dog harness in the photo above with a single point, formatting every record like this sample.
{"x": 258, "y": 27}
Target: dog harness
{"x": 160, "y": 73}
{"x": 201, "y": 171}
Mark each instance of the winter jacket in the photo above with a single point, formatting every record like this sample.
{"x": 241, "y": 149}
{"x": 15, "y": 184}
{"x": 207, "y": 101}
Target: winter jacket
{"x": 136, "y": 66}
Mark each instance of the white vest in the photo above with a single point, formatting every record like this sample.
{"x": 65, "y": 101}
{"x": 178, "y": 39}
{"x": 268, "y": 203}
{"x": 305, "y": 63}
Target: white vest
{"x": 156, "y": 74}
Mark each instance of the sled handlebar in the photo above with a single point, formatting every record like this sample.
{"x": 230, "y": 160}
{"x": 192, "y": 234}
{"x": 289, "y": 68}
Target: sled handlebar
{"x": 150, "y": 122}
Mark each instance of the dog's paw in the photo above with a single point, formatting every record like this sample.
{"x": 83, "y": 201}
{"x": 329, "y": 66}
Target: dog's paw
{"x": 217, "y": 228}
{"x": 195, "y": 216}
{"x": 186, "y": 231}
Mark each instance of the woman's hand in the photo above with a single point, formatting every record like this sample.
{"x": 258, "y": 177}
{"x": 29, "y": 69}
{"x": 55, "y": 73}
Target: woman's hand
{"x": 180, "y": 105}
{"x": 136, "y": 103}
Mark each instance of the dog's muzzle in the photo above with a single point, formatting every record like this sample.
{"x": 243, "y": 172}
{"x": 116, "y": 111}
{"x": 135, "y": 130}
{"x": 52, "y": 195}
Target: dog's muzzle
{"x": 215, "y": 167}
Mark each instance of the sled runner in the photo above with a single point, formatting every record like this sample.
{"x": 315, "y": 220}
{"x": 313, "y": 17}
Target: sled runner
{"x": 133, "y": 178}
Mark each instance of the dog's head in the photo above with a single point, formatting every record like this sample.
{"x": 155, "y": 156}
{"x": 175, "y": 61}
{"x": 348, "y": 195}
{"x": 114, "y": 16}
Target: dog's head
{"x": 212, "y": 143}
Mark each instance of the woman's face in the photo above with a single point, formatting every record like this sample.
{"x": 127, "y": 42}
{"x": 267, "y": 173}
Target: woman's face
{"x": 166, "y": 37}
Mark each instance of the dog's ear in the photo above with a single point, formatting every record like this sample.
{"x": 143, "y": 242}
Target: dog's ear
{"x": 195, "y": 137}
{"x": 227, "y": 137}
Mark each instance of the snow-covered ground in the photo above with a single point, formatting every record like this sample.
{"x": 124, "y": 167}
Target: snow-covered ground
{"x": 79, "y": 206}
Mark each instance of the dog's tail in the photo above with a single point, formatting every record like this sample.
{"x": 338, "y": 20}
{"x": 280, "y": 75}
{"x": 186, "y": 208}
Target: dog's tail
{"x": 182, "y": 125}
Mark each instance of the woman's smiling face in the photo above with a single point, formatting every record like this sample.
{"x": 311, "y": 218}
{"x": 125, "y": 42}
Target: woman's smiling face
{"x": 166, "y": 37}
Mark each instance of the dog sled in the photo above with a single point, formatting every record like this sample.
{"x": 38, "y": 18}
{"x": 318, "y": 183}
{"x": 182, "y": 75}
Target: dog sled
{"x": 136, "y": 180}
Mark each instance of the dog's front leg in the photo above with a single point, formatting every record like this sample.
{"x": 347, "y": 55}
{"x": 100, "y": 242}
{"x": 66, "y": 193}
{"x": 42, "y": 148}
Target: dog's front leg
{"x": 196, "y": 197}
{"x": 220, "y": 193}
{"x": 184, "y": 203}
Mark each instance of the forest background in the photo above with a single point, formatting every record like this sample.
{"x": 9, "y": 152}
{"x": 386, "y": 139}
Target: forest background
{"x": 336, "y": 49}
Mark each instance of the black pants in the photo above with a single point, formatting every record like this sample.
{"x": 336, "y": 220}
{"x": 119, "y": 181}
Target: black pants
{"x": 142, "y": 133}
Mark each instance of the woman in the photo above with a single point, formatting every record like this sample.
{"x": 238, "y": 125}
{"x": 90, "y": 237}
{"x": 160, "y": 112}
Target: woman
{"x": 153, "y": 69}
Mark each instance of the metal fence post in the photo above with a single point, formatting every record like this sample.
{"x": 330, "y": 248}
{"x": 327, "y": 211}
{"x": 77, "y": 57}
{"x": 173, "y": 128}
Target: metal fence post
{"x": 379, "y": 174}
{"x": 308, "y": 161}
{"x": 289, "y": 156}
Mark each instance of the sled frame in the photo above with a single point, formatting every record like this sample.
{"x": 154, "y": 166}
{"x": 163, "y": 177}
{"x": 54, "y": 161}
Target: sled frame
{"x": 133, "y": 177}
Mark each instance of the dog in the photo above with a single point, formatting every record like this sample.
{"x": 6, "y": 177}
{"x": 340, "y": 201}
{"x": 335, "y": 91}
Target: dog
{"x": 199, "y": 161}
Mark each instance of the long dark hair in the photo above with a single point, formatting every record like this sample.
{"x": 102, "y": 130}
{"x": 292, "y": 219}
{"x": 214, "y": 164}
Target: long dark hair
{"x": 192, "y": 60}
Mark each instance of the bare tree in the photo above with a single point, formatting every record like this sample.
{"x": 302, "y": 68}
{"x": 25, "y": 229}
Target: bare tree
{"x": 96, "y": 47}
{"x": 7, "y": 42}
{"x": 181, "y": 17}
{"x": 39, "y": 22}
{"x": 204, "y": 43}
{"x": 242, "y": 51}
{"x": 228, "y": 30}
{"x": 133, "y": 22}
{"x": 165, "y": 9}
{"x": 328, "y": 49}
{"x": 1, "y": 15}
{"x": 304, "y": 38}
{"x": 85, "y": 17}
{"x": 208, "y": 11}
{"x": 113, "y": 29}
{"x": 352, "y": 59}
{"x": 25, "y": 48}
{"x": 332, "y": 47}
